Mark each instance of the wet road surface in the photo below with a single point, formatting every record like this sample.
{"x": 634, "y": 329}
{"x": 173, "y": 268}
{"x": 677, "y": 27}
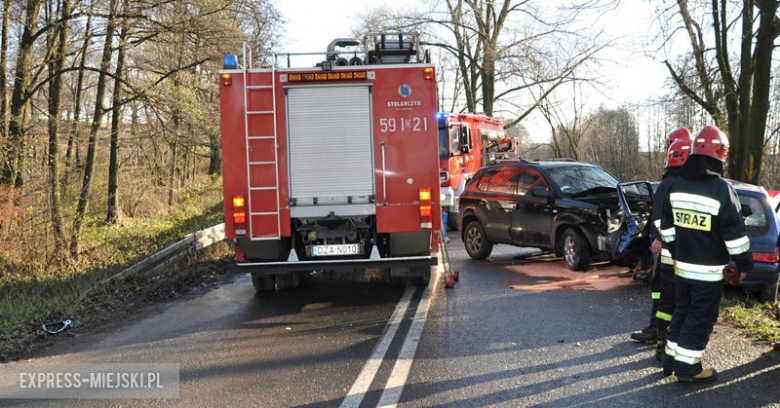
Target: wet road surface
{"x": 514, "y": 332}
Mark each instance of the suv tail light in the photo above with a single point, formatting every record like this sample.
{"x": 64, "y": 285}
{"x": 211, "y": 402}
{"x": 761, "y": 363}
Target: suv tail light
{"x": 425, "y": 208}
{"x": 765, "y": 257}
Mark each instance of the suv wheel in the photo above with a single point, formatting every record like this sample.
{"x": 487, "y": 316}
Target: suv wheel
{"x": 575, "y": 250}
{"x": 476, "y": 242}
{"x": 768, "y": 294}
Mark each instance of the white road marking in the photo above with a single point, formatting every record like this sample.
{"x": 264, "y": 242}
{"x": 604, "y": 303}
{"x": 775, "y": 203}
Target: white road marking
{"x": 359, "y": 388}
{"x": 403, "y": 365}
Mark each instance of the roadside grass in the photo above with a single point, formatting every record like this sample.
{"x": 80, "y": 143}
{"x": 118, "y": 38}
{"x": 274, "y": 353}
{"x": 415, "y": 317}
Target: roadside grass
{"x": 756, "y": 318}
{"x": 32, "y": 292}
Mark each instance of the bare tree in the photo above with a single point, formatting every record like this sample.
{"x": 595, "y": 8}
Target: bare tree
{"x": 97, "y": 118}
{"x": 743, "y": 92}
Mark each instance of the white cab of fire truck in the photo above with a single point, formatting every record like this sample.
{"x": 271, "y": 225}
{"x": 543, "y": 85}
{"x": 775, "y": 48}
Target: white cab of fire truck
{"x": 332, "y": 166}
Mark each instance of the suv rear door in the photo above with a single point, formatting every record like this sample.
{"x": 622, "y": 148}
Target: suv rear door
{"x": 532, "y": 216}
{"x": 499, "y": 202}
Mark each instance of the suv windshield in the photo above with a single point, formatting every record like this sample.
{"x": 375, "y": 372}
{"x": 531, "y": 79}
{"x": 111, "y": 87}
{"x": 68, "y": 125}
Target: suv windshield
{"x": 575, "y": 180}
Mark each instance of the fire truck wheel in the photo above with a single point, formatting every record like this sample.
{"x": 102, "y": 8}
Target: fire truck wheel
{"x": 262, "y": 283}
{"x": 286, "y": 282}
{"x": 575, "y": 250}
{"x": 424, "y": 278}
{"x": 477, "y": 244}
{"x": 393, "y": 282}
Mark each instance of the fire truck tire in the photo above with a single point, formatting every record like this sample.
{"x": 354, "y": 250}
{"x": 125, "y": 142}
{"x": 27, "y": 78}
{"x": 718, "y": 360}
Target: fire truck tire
{"x": 286, "y": 282}
{"x": 424, "y": 278}
{"x": 262, "y": 283}
{"x": 575, "y": 250}
{"x": 393, "y": 282}
{"x": 477, "y": 244}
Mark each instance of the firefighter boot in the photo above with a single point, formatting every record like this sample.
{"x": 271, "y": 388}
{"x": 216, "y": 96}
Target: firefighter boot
{"x": 706, "y": 375}
{"x": 647, "y": 335}
{"x": 650, "y": 333}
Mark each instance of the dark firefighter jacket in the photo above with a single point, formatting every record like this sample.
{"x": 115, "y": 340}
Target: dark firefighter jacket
{"x": 661, "y": 196}
{"x": 702, "y": 224}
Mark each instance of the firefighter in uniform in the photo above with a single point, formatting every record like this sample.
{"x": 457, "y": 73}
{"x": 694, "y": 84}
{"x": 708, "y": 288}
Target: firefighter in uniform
{"x": 659, "y": 319}
{"x": 703, "y": 227}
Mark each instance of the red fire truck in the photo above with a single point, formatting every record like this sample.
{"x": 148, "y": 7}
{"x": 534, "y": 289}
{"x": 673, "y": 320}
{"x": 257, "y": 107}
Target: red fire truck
{"x": 332, "y": 167}
{"x": 467, "y": 142}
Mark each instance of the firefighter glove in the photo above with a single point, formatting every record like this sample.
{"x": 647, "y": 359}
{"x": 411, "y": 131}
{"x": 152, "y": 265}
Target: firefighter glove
{"x": 744, "y": 261}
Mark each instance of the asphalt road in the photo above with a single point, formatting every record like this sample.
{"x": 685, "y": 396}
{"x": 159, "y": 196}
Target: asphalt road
{"x": 514, "y": 332}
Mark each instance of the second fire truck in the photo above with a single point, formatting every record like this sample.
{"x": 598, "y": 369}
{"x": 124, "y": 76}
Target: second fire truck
{"x": 467, "y": 142}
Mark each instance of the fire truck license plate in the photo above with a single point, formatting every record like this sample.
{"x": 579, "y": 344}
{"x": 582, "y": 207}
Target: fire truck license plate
{"x": 335, "y": 250}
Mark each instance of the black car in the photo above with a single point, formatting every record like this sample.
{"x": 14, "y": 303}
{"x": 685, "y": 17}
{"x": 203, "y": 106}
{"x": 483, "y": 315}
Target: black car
{"x": 577, "y": 210}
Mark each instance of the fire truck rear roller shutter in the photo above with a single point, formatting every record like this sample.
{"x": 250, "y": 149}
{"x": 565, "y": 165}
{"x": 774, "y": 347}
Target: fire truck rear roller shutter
{"x": 331, "y": 147}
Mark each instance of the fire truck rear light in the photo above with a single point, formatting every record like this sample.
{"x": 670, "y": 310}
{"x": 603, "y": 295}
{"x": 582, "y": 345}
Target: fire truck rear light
{"x": 334, "y": 75}
{"x": 239, "y": 217}
{"x": 347, "y": 75}
{"x": 425, "y": 211}
{"x": 226, "y": 79}
{"x": 428, "y": 73}
{"x": 361, "y": 75}
{"x": 238, "y": 201}
{"x": 240, "y": 232}
{"x": 307, "y": 77}
{"x": 425, "y": 194}
{"x": 294, "y": 77}
{"x": 320, "y": 77}
{"x": 426, "y": 225}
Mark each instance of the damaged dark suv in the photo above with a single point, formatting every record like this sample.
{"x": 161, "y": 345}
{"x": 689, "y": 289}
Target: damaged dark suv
{"x": 580, "y": 211}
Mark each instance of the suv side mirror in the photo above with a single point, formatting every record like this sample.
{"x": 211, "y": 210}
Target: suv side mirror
{"x": 746, "y": 210}
{"x": 541, "y": 191}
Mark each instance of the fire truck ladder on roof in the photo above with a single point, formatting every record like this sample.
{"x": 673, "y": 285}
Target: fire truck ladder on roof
{"x": 264, "y": 166}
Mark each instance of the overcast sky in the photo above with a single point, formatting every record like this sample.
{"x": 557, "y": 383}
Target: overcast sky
{"x": 630, "y": 75}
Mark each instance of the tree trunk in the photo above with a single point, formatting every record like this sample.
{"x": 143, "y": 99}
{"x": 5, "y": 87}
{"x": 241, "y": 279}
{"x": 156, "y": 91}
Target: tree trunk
{"x": 4, "y": 73}
{"x": 55, "y": 97}
{"x": 12, "y": 171}
{"x": 172, "y": 173}
{"x": 105, "y": 64}
{"x": 73, "y": 140}
{"x": 114, "y": 212}
{"x": 762, "y": 82}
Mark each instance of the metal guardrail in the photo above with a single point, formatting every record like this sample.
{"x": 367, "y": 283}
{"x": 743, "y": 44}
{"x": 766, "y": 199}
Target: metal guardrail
{"x": 174, "y": 252}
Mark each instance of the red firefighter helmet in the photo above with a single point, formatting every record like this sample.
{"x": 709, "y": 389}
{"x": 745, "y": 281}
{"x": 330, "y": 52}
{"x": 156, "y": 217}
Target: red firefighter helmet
{"x": 677, "y": 134}
{"x": 677, "y": 153}
{"x": 711, "y": 142}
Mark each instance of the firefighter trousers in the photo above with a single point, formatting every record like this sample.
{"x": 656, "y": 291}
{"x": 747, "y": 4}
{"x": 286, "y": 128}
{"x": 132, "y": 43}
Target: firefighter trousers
{"x": 695, "y": 314}
{"x": 666, "y": 289}
{"x": 655, "y": 293}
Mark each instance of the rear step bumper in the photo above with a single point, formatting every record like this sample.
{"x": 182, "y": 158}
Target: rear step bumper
{"x": 338, "y": 264}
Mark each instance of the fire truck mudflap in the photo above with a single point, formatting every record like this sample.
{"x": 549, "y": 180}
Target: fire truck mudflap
{"x": 333, "y": 167}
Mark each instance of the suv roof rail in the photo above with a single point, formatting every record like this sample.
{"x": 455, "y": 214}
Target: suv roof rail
{"x": 509, "y": 161}
{"x": 564, "y": 159}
